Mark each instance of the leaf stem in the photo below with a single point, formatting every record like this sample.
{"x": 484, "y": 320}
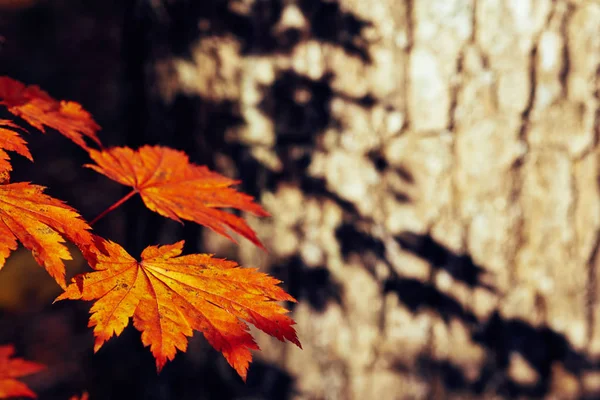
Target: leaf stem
{"x": 116, "y": 205}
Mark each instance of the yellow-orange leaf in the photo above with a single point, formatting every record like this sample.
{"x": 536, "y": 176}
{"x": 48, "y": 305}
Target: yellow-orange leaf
{"x": 10, "y": 140}
{"x": 11, "y": 368}
{"x": 175, "y": 188}
{"x": 37, "y": 221}
{"x": 170, "y": 295}
{"x": 39, "y": 109}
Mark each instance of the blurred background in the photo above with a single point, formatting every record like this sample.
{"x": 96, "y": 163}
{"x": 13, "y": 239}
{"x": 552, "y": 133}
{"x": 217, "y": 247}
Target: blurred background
{"x": 431, "y": 167}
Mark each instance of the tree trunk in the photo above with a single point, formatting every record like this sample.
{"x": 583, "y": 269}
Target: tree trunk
{"x": 431, "y": 168}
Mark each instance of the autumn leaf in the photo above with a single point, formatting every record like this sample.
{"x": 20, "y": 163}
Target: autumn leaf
{"x": 10, "y": 140}
{"x": 175, "y": 188}
{"x": 39, "y": 109}
{"x": 11, "y": 368}
{"x": 84, "y": 396}
{"x": 170, "y": 295}
{"x": 39, "y": 222}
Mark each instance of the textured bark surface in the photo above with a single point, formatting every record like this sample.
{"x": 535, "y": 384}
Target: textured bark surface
{"x": 431, "y": 168}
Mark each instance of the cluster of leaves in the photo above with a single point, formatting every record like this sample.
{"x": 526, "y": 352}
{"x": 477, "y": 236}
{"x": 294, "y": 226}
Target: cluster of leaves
{"x": 167, "y": 294}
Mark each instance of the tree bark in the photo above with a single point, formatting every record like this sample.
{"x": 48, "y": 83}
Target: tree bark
{"x": 432, "y": 172}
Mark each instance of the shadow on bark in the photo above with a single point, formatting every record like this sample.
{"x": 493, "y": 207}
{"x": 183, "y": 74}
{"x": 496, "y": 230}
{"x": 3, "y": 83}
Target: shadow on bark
{"x": 460, "y": 266}
{"x": 419, "y": 296}
{"x": 299, "y": 107}
{"x": 314, "y": 285}
{"x": 257, "y": 26}
{"x": 540, "y": 346}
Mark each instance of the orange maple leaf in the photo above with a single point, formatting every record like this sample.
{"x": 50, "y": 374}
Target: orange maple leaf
{"x": 169, "y": 295}
{"x": 10, "y": 140}
{"x": 39, "y": 109}
{"x": 38, "y": 221}
{"x": 11, "y": 368}
{"x": 175, "y": 188}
